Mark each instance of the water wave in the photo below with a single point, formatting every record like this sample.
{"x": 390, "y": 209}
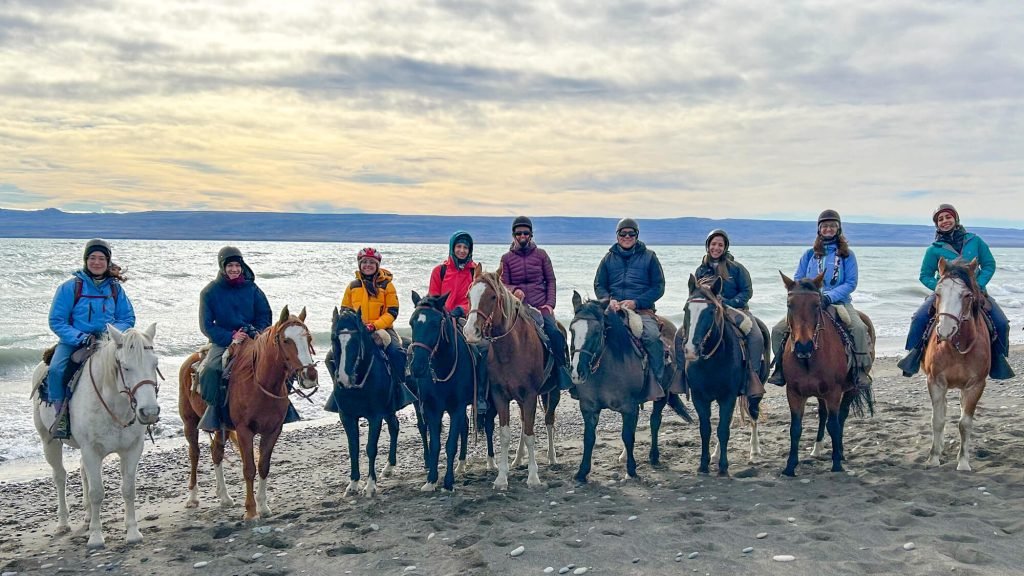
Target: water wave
{"x": 19, "y": 358}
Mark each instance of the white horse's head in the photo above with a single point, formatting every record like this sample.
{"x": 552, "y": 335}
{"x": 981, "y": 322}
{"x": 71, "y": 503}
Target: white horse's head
{"x": 136, "y": 371}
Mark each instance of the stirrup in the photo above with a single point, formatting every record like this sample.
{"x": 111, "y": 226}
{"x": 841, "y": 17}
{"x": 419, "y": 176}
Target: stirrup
{"x": 61, "y": 427}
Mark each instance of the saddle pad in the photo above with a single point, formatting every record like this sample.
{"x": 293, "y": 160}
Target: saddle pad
{"x": 633, "y": 320}
{"x": 747, "y": 324}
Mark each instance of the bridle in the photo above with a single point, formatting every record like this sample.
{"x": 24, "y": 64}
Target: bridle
{"x": 967, "y": 307}
{"x": 819, "y": 326}
{"x": 128, "y": 391}
{"x": 360, "y": 356}
{"x": 595, "y": 357}
{"x": 441, "y": 337}
{"x": 488, "y": 324}
{"x": 286, "y": 353}
{"x": 718, "y": 325}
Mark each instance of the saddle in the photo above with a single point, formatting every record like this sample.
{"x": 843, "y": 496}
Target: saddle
{"x": 655, "y": 389}
{"x": 72, "y": 373}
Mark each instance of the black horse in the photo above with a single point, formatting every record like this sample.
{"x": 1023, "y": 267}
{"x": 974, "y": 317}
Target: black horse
{"x": 609, "y": 374}
{"x": 362, "y": 389}
{"x": 715, "y": 368}
{"x": 442, "y": 368}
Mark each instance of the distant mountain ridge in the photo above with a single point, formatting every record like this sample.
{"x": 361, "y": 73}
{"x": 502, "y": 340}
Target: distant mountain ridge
{"x": 304, "y": 227}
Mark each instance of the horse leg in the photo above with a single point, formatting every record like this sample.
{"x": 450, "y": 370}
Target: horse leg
{"x": 393, "y": 428}
{"x": 129, "y": 468}
{"x": 92, "y": 468}
{"x": 969, "y": 397}
{"x": 372, "y": 438}
{"x": 54, "y": 452}
{"x": 217, "y": 453}
{"x": 529, "y": 414}
{"x": 457, "y": 423}
{"x": 192, "y": 436}
{"x": 656, "y": 417}
{"x": 489, "y": 432}
{"x": 796, "y": 417}
{"x": 755, "y": 441}
{"x": 521, "y": 448}
{"x": 819, "y": 439}
{"x": 421, "y": 425}
{"x": 629, "y": 420}
{"x": 938, "y": 393}
{"x": 550, "y": 404}
{"x": 433, "y": 419}
{"x": 267, "y": 443}
{"x": 725, "y": 412}
{"x": 835, "y": 433}
{"x": 703, "y": 408}
{"x": 460, "y": 468}
{"x": 590, "y": 420}
{"x": 351, "y": 426}
{"x": 245, "y": 448}
{"x": 505, "y": 437}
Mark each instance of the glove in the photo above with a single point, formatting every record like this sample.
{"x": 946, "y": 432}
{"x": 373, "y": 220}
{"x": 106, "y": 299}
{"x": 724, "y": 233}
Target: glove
{"x": 371, "y": 327}
{"x": 826, "y": 300}
{"x": 458, "y": 312}
{"x": 89, "y": 340}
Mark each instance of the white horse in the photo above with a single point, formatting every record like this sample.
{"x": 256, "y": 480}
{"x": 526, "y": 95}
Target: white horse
{"x": 114, "y": 403}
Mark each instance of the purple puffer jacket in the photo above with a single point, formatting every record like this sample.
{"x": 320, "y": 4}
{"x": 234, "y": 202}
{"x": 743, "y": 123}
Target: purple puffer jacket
{"x": 529, "y": 269}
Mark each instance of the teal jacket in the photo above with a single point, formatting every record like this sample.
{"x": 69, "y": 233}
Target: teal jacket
{"x": 974, "y": 247}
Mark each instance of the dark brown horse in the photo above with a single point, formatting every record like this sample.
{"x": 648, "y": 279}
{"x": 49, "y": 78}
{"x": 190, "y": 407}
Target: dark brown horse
{"x": 815, "y": 364}
{"x": 958, "y": 353}
{"x": 257, "y": 403}
{"x": 515, "y": 367}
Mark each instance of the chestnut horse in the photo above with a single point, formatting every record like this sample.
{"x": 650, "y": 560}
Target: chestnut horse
{"x": 257, "y": 402}
{"x": 958, "y": 353}
{"x": 815, "y": 364}
{"x": 515, "y": 368}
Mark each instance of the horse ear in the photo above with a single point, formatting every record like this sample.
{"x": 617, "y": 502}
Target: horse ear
{"x": 302, "y": 315}
{"x": 973, "y": 264}
{"x": 691, "y": 283}
{"x": 716, "y": 286}
{"x": 442, "y": 300}
{"x": 150, "y": 332}
{"x": 577, "y": 301}
{"x": 787, "y": 281}
{"x": 416, "y": 298}
{"x": 477, "y": 271}
{"x": 116, "y": 335}
{"x": 942, "y": 265}
{"x": 334, "y": 315}
{"x": 819, "y": 280}
{"x": 284, "y": 314}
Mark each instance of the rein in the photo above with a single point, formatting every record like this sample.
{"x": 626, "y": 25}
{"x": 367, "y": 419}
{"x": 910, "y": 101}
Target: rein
{"x": 437, "y": 345}
{"x": 129, "y": 392}
{"x": 359, "y": 358}
{"x": 291, "y": 373}
{"x": 965, "y": 314}
{"x": 489, "y": 318}
{"x": 718, "y": 324}
{"x": 595, "y": 357}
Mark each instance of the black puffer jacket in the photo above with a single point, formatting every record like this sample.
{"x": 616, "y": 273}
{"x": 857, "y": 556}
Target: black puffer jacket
{"x": 737, "y": 290}
{"x": 630, "y": 275}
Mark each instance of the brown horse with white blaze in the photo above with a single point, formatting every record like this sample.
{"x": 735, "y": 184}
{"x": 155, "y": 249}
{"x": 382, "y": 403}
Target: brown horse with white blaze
{"x": 257, "y": 402}
{"x": 515, "y": 367}
{"x": 958, "y": 353}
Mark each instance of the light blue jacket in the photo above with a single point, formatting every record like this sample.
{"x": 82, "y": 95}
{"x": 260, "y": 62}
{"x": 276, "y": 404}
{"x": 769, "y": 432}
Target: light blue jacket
{"x": 974, "y": 247}
{"x": 846, "y": 281}
{"x": 95, "y": 309}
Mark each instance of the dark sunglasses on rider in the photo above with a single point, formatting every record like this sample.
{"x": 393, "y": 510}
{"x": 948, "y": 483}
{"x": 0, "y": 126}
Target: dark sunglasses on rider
{"x": 522, "y": 233}
{"x": 625, "y": 234}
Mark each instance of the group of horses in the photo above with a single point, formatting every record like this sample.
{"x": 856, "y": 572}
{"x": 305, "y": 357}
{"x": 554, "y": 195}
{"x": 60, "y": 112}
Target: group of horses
{"x": 112, "y": 412}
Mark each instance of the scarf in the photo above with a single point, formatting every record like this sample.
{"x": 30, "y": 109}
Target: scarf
{"x": 837, "y": 262}
{"x": 955, "y": 237}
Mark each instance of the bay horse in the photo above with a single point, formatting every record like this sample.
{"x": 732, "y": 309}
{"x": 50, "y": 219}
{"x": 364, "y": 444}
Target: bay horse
{"x": 958, "y": 353}
{"x": 715, "y": 368}
{"x": 608, "y": 371}
{"x": 442, "y": 367}
{"x": 815, "y": 364}
{"x": 114, "y": 404}
{"x": 257, "y": 403}
{"x": 515, "y": 367}
{"x": 362, "y": 388}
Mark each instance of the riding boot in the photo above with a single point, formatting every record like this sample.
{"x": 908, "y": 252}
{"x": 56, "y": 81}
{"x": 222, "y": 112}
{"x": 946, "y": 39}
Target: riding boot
{"x": 777, "y": 377}
{"x": 564, "y": 378}
{"x": 481, "y": 380}
{"x": 61, "y": 428}
{"x": 210, "y": 422}
{"x": 656, "y": 358}
{"x": 1000, "y": 369}
{"x": 755, "y": 391}
{"x": 861, "y": 370}
{"x": 911, "y": 363}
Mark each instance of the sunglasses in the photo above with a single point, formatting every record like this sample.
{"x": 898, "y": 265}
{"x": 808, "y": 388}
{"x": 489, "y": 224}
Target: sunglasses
{"x": 522, "y": 233}
{"x": 627, "y": 234}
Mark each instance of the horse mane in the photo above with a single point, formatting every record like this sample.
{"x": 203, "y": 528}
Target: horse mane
{"x": 618, "y": 338}
{"x": 960, "y": 269}
{"x": 510, "y": 304}
{"x": 806, "y": 285}
{"x": 133, "y": 346}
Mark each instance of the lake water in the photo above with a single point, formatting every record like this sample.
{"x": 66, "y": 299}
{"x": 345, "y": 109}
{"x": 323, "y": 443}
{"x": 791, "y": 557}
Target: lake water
{"x": 166, "y": 277}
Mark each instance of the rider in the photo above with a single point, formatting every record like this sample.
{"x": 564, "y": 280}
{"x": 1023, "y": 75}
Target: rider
{"x": 81, "y": 309}
{"x": 736, "y": 292}
{"x": 526, "y": 271}
{"x": 631, "y": 277}
{"x": 373, "y": 294}
{"x": 453, "y": 277}
{"x": 831, "y": 256}
{"x": 953, "y": 241}
{"x": 232, "y": 308}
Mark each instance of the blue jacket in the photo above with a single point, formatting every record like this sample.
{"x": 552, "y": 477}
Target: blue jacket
{"x": 634, "y": 275}
{"x": 974, "y": 247}
{"x": 737, "y": 290}
{"x": 224, "y": 308}
{"x": 845, "y": 281}
{"x": 95, "y": 309}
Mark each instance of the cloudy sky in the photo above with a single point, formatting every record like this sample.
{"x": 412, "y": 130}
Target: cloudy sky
{"x": 880, "y": 109}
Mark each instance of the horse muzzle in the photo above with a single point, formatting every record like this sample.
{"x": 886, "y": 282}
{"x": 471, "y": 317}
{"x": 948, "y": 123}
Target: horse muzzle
{"x": 308, "y": 377}
{"x": 148, "y": 415}
{"x": 803, "y": 350}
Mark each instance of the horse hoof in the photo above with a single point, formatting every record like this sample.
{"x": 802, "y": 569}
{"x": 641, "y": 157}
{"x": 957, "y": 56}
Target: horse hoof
{"x": 932, "y": 462}
{"x": 227, "y": 502}
{"x": 703, "y": 470}
{"x": 581, "y": 480}
{"x": 723, "y": 473}
{"x": 534, "y": 483}
{"x": 192, "y": 504}
{"x": 963, "y": 467}
{"x": 460, "y": 467}
{"x": 428, "y": 487}
{"x": 788, "y": 472}
{"x": 133, "y": 539}
{"x": 501, "y": 485}
{"x": 95, "y": 542}
{"x": 265, "y": 511}
{"x": 449, "y": 488}
{"x": 387, "y": 470}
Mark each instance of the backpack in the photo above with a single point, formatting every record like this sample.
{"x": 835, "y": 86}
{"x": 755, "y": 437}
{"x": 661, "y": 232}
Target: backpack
{"x": 115, "y": 291}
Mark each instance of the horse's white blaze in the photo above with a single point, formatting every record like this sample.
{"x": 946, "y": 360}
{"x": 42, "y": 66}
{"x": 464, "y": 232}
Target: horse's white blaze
{"x": 343, "y": 347}
{"x": 297, "y": 336}
{"x": 472, "y": 331}
{"x": 949, "y": 291}
{"x": 222, "y": 488}
{"x": 579, "y": 337}
{"x": 696, "y": 309}
{"x": 533, "y": 479}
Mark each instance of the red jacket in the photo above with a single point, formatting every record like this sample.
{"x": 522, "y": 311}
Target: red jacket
{"x": 456, "y": 284}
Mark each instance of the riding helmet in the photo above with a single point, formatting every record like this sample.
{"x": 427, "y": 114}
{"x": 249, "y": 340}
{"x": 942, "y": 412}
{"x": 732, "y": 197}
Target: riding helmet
{"x": 369, "y": 252}
{"x": 712, "y": 234}
{"x": 945, "y": 208}
{"x": 522, "y": 222}
{"x": 96, "y": 245}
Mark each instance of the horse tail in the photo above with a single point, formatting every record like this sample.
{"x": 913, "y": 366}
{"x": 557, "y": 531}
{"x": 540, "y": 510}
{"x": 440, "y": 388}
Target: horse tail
{"x": 679, "y": 408}
{"x": 861, "y": 399}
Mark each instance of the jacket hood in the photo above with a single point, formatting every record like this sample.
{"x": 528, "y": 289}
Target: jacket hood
{"x": 460, "y": 235}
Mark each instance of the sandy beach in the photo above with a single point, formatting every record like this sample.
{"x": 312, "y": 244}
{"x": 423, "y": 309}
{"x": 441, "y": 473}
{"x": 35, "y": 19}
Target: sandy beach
{"x": 888, "y": 514}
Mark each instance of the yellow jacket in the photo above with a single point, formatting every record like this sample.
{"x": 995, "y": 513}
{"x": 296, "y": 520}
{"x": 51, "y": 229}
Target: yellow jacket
{"x": 381, "y": 309}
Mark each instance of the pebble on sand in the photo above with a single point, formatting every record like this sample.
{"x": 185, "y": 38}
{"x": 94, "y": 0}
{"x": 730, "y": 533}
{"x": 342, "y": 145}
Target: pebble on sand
{"x": 631, "y": 518}
{"x": 581, "y": 570}
{"x": 748, "y": 549}
{"x": 790, "y": 519}
{"x": 783, "y": 558}
{"x": 762, "y": 535}
{"x": 549, "y": 569}
{"x": 410, "y": 568}
{"x": 909, "y": 546}
{"x": 693, "y": 555}
{"x": 257, "y": 555}
{"x": 563, "y": 570}
{"x": 517, "y": 552}
{"x": 202, "y": 564}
